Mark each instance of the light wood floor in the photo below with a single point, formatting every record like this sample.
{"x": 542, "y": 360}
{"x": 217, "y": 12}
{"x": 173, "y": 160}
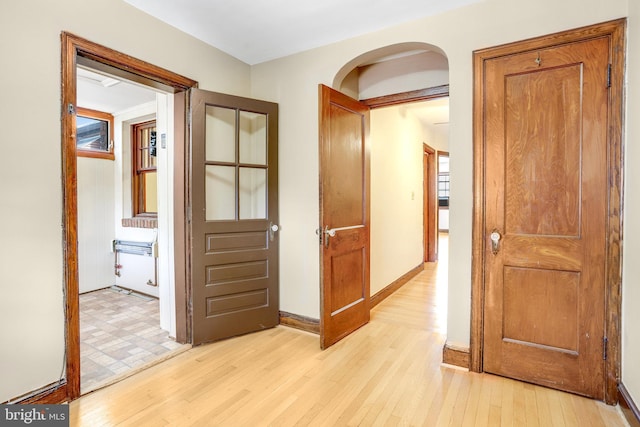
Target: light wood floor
{"x": 386, "y": 373}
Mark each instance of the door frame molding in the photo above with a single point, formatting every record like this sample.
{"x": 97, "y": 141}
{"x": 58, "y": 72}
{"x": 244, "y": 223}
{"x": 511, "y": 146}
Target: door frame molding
{"x": 615, "y": 31}
{"x": 430, "y": 208}
{"x": 76, "y": 50}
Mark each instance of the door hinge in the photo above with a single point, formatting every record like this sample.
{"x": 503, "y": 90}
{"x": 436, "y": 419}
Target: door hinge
{"x": 189, "y": 214}
{"x": 71, "y": 109}
{"x": 609, "y": 76}
{"x": 605, "y": 343}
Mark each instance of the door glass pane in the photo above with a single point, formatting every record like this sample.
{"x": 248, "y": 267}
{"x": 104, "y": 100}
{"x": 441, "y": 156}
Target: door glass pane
{"x": 253, "y": 193}
{"x": 220, "y": 192}
{"x": 151, "y": 192}
{"x": 253, "y": 138}
{"x": 220, "y": 127}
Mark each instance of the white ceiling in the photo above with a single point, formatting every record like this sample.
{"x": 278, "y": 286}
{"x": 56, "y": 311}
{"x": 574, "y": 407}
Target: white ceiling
{"x": 256, "y": 31}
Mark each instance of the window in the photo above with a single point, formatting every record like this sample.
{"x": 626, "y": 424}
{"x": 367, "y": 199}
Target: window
{"x": 93, "y": 134}
{"x": 144, "y": 173}
{"x": 443, "y": 180}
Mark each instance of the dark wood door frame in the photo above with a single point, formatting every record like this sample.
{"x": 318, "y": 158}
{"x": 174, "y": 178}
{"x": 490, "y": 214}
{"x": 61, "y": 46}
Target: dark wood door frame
{"x": 614, "y": 30}
{"x": 76, "y": 50}
{"x": 430, "y": 203}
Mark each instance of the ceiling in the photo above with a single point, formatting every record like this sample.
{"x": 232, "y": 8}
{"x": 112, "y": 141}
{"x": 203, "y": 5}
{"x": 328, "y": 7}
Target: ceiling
{"x": 256, "y": 31}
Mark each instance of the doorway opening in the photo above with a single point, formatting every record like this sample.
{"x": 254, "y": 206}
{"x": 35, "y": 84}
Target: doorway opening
{"x": 171, "y": 238}
{"x": 126, "y": 320}
{"x": 399, "y": 83}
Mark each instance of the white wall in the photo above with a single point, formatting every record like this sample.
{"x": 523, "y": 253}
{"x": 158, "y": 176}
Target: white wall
{"x": 95, "y": 223}
{"x": 136, "y": 270}
{"x": 396, "y": 195}
{"x": 631, "y": 233}
{"x": 292, "y": 82}
{"x": 31, "y": 307}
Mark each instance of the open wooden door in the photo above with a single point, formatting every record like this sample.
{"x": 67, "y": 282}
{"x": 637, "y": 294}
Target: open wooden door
{"x": 234, "y": 239}
{"x": 546, "y": 133}
{"x": 344, "y": 215}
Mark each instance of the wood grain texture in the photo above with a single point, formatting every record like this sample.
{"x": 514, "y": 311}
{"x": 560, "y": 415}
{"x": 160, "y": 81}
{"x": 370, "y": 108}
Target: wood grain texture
{"x": 388, "y": 290}
{"x": 387, "y": 373}
{"x": 411, "y": 96}
{"x": 546, "y": 176}
{"x": 455, "y": 356}
{"x": 614, "y": 32}
{"x": 52, "y": 394}
{"x": 344, "y": 205}
{"x": 303, "y": 323}
{"x": 628, "y": 406}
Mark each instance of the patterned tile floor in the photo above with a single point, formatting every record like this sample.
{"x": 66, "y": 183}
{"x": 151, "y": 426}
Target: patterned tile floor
{"x": 119, "y": 334}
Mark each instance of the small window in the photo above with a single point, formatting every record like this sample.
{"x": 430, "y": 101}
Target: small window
{"x": 93, "y": 134}
{"x": 145, "y": 176}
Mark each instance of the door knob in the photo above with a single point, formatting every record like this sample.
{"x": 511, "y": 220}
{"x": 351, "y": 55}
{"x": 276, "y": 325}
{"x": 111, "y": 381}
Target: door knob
{"x": 495, "y": 241}
{"x": 272, "y": 230}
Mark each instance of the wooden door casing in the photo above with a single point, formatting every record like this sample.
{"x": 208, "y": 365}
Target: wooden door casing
{"x": 570, "y": 251}
{"x": 430, "y": 203}
{"x": 344, "y": 208}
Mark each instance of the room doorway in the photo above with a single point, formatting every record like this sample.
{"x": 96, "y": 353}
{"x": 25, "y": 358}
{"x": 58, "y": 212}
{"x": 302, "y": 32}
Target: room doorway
{"x": 78, "y": 51}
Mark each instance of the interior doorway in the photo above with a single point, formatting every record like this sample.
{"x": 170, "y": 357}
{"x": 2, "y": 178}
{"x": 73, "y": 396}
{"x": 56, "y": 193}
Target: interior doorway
{"x": 77, "y": 51}
{"x": 126, "y": 321}
{"x": 397, "y": 212}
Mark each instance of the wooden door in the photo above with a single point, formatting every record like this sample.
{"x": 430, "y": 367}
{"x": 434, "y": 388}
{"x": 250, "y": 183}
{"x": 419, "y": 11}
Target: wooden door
{"x": 546, "y": 215}
{"x": 344, "y": 215}
{"x": 234, "y": 230}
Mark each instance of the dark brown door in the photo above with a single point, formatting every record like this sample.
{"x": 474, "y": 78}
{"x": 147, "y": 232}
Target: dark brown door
{"x": 234, "y": 251}
{"x": 546, "y": 215}
{"x": 344, "y": 215}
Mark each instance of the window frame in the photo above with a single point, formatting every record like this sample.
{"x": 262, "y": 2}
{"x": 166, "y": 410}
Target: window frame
{"x": 101, "y": 116}
{"x": 138, "y": 172}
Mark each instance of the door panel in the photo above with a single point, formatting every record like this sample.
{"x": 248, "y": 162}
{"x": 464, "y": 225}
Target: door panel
{"x": 344, "y": 215}
{"x": 234, "y": 205}
{"x": 546, "y": 196}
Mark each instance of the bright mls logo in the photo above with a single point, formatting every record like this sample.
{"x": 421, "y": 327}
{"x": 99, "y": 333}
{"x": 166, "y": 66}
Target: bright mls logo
{"x": 34, "y": 415}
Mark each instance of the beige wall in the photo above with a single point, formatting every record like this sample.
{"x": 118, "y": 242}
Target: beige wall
{"x": 31, "y": 307}
{"x": 396, "y": 195}
{"x": 31, "y": 269}
{"x": 292, "y": 82}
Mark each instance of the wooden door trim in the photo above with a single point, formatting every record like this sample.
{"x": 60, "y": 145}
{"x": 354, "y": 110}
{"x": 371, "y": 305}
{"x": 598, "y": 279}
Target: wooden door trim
{"x": 614, "y": 30}
{"x": 425, "y": 94}
{"x": 75, "y": 50}
{"x": 430, "y": 203}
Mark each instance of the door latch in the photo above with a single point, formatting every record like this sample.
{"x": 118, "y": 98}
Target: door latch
{"x": 328, "y": 233}
{"x": 272, "y": 230}
{"x": 495, "y": 241}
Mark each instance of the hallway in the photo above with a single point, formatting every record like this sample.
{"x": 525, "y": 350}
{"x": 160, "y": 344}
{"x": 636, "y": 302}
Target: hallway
{"x": 387, "y": 373}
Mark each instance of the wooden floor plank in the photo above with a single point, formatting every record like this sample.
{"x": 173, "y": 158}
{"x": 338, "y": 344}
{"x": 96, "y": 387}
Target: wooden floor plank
{"x": 387, "y": 373}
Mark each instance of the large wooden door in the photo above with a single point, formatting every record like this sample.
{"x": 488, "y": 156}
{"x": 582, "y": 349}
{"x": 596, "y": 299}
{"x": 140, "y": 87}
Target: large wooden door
{"x": 344, "y": 215}
{"x": 234, "y": 232}
{"x": 545, "y": 208}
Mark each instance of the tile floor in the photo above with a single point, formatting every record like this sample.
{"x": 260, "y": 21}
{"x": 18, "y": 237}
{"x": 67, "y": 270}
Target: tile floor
{"x": 119, "y": 334}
